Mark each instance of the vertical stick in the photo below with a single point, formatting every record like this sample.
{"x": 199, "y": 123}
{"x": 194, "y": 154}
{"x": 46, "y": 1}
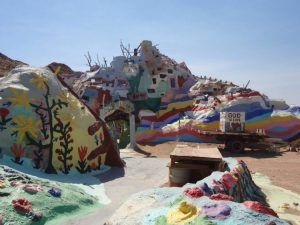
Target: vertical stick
{"x": 132, "y": 130}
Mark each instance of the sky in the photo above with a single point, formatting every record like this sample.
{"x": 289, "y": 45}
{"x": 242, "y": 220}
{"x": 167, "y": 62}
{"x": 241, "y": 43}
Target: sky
{"x": 241, "y": 40}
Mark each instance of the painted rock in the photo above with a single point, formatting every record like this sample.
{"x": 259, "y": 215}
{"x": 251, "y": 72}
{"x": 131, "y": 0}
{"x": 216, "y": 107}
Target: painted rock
{"x": 221, "y": 197}
{"x": 218, "y": 211}
{"x": 32, "y": 188}
{"x": 258, "y": 207}
{"x": 2, "y": 184}
{"x": 194, "y": 192}
{"x": 54, "y": 192}
{"x": 22, "y": 205}
{"x": 182, "y": 213}
{"x": 32, "y": 99}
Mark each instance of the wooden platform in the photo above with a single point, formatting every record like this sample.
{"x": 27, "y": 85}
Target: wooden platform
{"x": 195, "y": 163}
{"x": 187, "y": 153}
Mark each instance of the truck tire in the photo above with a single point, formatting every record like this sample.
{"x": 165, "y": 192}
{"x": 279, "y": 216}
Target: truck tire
{"x": 237, "y": 146}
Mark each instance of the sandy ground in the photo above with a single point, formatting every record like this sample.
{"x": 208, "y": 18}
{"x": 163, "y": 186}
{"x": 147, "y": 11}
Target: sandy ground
{"x": 283, "y": 168}
{"x": 141, "y": 172}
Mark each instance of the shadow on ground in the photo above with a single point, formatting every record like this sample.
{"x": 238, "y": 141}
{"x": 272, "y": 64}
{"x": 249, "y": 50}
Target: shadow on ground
{"x": 259, "y": 154}
{"x": 113, "y": 173}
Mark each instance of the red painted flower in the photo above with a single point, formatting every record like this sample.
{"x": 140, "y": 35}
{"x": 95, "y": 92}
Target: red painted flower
{"x": 4, "y": 112}
{"x": 18, "y": 150}
{"x": 82, "y": 151}
{"x": 221, "y": 197}
{"x": 193, "y": 192}
{"x": 93, "y": 166}
{"x": 22, "y": 205}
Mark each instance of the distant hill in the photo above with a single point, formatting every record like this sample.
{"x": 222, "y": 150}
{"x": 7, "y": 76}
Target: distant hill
{"x": 7, "y": 64}
{"x": 64, "y": 69}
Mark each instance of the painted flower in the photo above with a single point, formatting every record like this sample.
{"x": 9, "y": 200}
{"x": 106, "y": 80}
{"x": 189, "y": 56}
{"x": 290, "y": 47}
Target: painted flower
{"x": 18, "y": 150}
{"x": 39, "y": 80}
{"x": 22, "y": 205}
{"x": 182, "y": 213}
{"x": 93, "y": 165}
{"x": 4, "y": 112}
{"x": 82, "y": 151}
{"x": 32, "y": 188}
{"x": 20, "y": 98}
{"x": 25, "y": 124}
{"x": 67, "y": 117}
{"x": 66, "y": 97}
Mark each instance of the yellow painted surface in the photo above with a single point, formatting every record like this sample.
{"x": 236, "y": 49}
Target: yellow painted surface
{"x": 182, "y": 213}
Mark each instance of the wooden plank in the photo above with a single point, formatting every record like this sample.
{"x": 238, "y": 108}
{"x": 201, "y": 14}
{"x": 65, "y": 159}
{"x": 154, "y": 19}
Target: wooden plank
{"x": 195, "y": 153}
{"x": 194, "y": 166}
{"x": 239, "y": 134}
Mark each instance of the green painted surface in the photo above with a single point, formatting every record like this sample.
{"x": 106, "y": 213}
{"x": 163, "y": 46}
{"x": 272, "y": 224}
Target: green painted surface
{"x": 134, "y": 81}
{"x": 125, "y": 138}
{"x": 73, "y": 202}
{"x": 151, "y": 103}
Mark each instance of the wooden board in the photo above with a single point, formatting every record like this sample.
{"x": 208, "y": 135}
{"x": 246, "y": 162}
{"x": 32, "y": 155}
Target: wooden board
{"x": 214, "y": 133}
{"x": 185, "y": 152}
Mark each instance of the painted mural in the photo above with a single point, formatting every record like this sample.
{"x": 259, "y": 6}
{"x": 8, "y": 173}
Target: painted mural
{"x": 185, "y": 120}
{"x": 44, "y": 124}
{"x": 173, "y": 104}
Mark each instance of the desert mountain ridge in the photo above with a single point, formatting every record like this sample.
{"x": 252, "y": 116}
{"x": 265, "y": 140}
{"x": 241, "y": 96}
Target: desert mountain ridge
{"x": 7, "y": 64}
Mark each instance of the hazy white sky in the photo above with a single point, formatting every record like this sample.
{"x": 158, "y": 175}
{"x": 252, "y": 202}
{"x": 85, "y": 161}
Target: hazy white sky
{"x": 239, "y": 40}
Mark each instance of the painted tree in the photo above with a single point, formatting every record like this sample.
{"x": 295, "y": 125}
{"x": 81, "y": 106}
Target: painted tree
{"x": 48, "y": 127}
{"x": 31, "y": 129}
{"x": 65, "y": 142}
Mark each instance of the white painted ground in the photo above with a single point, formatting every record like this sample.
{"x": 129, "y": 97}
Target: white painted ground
{"x": 138, "y": 175}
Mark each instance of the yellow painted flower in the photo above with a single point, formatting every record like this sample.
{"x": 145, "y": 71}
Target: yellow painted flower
{"x": 2, "y": 184}
{"x": 39, "y": 80}
{"x": 66, "y": 117}
{"x": 20, "y": 98}
{"x": 25, "y": 124}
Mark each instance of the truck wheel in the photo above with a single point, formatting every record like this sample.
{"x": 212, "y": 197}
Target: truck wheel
{"x": 237, "y": 146}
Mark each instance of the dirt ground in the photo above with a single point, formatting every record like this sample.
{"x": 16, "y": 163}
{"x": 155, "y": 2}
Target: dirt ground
{"x": 283, "y": 167}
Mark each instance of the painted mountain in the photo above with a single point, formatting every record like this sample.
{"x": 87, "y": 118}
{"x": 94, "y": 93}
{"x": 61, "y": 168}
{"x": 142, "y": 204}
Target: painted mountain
{"x": 173, "y": 104}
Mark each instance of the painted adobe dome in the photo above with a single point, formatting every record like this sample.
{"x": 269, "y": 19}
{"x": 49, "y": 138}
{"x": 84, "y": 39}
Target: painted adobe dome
{"x": 43, "y": 124}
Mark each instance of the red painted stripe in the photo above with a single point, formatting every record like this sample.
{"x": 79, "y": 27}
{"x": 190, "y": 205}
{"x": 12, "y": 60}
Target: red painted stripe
{"x": 283, "y": 133}
{"x": 175, "y": 133}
